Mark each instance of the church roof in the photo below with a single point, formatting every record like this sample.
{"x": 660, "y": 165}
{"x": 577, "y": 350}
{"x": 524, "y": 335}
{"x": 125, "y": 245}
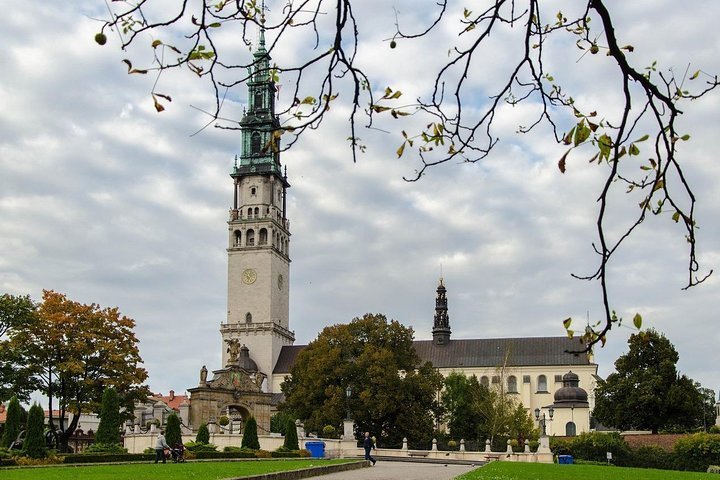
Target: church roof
{"x": 479, "y": 352}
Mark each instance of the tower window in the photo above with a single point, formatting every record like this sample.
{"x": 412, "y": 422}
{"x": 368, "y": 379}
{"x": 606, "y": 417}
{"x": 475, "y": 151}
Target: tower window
{"x": 250, "y": 212}
{"x": 250, "y": 238}
{"x": 257, "y": 211}
{"x": 253, "y": 191}
{"x": 258, "y": 99}
{"x": 263, "y": 237}
{"x": 255, "y": 142}
{"x": 238, "y": 237}
{"x": 248, "y": 317}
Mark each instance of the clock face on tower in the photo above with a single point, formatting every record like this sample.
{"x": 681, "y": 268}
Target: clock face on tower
{"x": 249, "y": 276}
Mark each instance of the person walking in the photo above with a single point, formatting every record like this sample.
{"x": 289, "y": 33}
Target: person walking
{"x": 368, "y": 444}
{"x": 160, "y": 446}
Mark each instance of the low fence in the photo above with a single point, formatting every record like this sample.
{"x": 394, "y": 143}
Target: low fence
{"x": 138, "y": 442}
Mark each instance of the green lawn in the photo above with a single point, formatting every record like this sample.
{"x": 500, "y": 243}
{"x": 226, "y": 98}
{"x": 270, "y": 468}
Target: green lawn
{"x": 542, "y": 471}
{"x": 169, "y": 471}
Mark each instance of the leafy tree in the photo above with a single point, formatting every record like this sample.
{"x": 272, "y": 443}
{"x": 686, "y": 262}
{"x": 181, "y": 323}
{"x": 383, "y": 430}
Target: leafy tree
{"x": 392, "y": 395}
{"x": 203, "y": 434}
{"x": 447, "y": 123}
{"x": 646, "y": 391}
{"x": 34, "y": 445}
{"x": 173, "y": 434}
{"x": 291, "y": 438}
{"x": 279, "y": 421}
{"x": 478, "y": 413}
{"x": 13, "y": 423}
{"x": 109, "y": 429}
{"x": 250, "y": 436}
{"x": 16, "y": 370}
{"x": 79, "y": 350}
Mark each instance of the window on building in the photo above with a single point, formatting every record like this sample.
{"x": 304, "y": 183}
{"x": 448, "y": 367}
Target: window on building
{"x": 255, "y": 143}
{"x": 542, "y": 383}
{"x": 250, "y": 213}
{"x": 253, "y": 191}
{"x": 263, "y": 237}
{"x": 250, "y": 238}
{"x": 484, "y": 381}
{"x": 512, "y": 384}
{"x": 570, "y": 429}
{"x": 257, "y": 211}
{"x": 495, "y": 379}
{"x": 558, "y": 378}
{"x": 258, "y": 99}
{"x": 526, "y": 378}
{"x": 238, "y": 237}
{"x": 248, "y": 317}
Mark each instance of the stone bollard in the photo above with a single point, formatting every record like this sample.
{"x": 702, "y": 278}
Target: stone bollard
{"x": 527, "y": 446}
{"x": 405, "y": 447}
{"x": 462, "y": 444}
{"x": 487, "y": 446}
{"x": 509, "y": 447}
{"x": 434, "y": 446}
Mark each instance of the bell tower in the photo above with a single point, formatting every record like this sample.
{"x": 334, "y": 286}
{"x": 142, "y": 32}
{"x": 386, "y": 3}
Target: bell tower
{"x": 441, "y": 323}
{"x": 258, "y": 230}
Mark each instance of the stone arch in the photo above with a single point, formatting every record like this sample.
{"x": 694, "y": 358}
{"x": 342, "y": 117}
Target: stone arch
{"x": 262, "y": 240}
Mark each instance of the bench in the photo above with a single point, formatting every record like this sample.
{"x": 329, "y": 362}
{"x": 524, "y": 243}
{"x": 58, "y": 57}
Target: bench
{"x": 417, "y": 454}
{"x": 490, "y": 458}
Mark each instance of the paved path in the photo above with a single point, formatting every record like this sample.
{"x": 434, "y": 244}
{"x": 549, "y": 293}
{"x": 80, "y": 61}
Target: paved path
{"x": 384, "y": 470}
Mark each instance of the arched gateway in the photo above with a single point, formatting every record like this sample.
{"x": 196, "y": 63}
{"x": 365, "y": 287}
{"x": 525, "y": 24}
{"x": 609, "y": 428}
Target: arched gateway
{"x": 235, "y": 391}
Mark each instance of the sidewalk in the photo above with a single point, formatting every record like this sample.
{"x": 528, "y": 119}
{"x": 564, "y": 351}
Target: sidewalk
{"x": 385, "y": 470}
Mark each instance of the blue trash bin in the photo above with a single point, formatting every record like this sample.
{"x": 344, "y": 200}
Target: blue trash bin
{"x": 565, "y": 459}
{"x": 316, "y": 449}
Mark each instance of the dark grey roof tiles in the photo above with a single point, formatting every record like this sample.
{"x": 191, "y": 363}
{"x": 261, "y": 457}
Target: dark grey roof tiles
{"x": 481, "y": 352}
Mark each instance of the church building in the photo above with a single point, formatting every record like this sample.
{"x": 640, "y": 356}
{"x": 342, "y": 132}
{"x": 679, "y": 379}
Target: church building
{"x": 258, "y": 348}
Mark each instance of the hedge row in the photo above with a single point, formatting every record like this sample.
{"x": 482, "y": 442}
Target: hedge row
{"x": 205, "y": 454}
{"x": 694, "y": 452}
{"x": 107, "y": 457}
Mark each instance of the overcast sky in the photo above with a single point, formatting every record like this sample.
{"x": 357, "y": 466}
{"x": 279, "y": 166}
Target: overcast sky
{"x": 107, "y": 201}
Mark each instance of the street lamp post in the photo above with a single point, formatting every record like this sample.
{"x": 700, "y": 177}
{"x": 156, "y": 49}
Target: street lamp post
{"x": 348, "y": 394}
{"x": 542, "y": 420}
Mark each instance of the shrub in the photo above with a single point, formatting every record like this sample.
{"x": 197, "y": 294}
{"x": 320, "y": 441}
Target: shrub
{"x": 203, "y": 434}
{"x": 110, "y": 448}
{"x": 34, "y": 445}
{"x": 13, "y": 422}
{"x": 262, "y": 454}
{"x": 651, "y": 456}
{"x": 200, "y": 447}
{"x": 329, "y": 432}
{"x": 108, "y": 431}
{"x": 713, "y": 469}
{"x": 594, "y": 447}
{"x": 173, "y": 435}
{"x": 697, "y": 452}
{"x": 250, "y": 438}
{"x": 224, "y": 421}
{"x": 291, "y": 439}
{"x": 714, "y": 429}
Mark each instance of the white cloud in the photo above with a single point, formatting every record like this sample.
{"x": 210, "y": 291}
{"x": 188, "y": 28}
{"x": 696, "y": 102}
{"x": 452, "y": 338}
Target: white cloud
{"x": 108, "y": 201}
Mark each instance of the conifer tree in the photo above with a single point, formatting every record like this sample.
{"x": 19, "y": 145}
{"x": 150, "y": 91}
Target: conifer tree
{"x": 34, "y": 444}
{"x": 250, "y": 438}
{"x": 109, "y": 429}
{"x": 291, "y": 438}
{"x": 173, "y": 435}
{"x": 13, "y": 423}
{"x": 203, "y": 434}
